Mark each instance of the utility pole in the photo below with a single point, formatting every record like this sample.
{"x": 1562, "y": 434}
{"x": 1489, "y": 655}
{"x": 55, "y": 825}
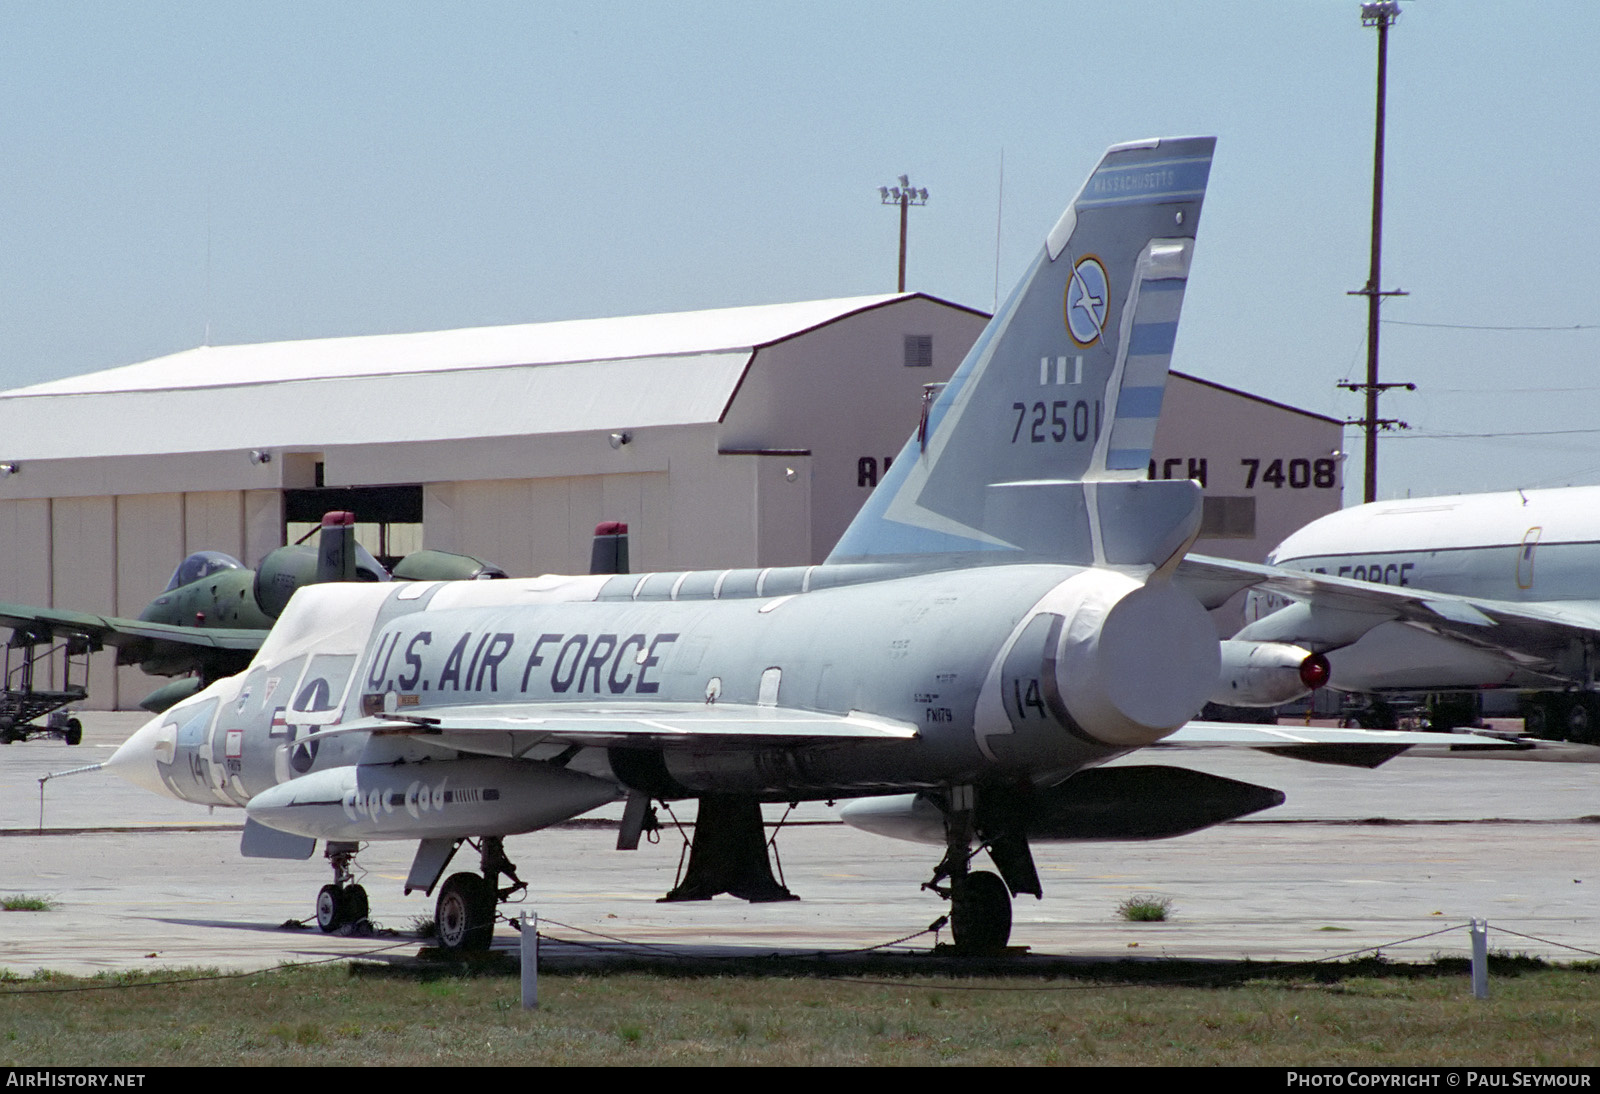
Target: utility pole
{"x": 905, "y": 195}
{"x": 1380, "y": 14}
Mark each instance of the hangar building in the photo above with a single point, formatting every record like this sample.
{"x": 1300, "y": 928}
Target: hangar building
{"x": 735, "y": 437}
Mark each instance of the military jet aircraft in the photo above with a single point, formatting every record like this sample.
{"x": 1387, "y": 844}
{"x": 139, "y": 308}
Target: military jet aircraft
{"x": 209, "y": 621}
{"x": 999, "y": 620}
{"x": 1444, "y": 594}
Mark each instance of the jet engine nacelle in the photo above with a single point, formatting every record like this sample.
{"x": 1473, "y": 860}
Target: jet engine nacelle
{"x": 436, "y": 799}
{"x": 285, "y": 569}
{"x": 280, "y": 574}
{"x": 1264, "y": 674}
{"x": 430, "y": 565}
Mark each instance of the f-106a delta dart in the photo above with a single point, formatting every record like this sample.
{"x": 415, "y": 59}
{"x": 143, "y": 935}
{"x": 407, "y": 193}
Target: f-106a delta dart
{"x": 997, "y": 622}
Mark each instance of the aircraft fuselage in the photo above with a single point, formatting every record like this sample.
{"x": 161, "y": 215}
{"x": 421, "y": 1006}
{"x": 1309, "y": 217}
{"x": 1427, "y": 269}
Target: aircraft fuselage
{"x": 1533, "y": 548}
{"x": 1003, "y": 673}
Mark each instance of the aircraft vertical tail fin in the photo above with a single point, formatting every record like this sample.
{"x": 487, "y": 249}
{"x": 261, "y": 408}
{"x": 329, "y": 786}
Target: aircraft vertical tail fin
{"x": 1038, "y": 446}
{"x": 336, "y": 547}
{"x": 609, "y": 553}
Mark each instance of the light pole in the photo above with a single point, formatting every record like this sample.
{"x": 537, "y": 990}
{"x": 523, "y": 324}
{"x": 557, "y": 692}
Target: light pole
{"x": 905, "y": 195}
{"x": 1380, "y": 14}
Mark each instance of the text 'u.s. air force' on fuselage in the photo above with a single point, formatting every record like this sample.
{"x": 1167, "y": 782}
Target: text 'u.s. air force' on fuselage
{"x": 996, "y": 623}
{"x": 409, "y": 660}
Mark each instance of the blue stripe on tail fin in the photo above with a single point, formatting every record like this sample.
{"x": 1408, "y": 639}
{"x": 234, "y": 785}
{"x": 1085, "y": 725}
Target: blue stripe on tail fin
{"x": 1063, "y": 388}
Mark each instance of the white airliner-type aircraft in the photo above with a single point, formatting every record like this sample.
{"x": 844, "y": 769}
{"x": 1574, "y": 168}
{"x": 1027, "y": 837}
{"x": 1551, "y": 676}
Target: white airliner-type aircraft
{"x": 998, "y": 621}
{"x": 1479, "y": 591}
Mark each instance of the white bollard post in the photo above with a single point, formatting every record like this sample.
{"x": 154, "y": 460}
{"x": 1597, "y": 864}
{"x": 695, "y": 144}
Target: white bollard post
{"x": 1480, "y": 958}
{"x": 530, "y": 960}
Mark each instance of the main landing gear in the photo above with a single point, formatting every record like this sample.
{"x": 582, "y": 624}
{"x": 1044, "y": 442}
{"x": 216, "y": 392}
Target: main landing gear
{"x": 980, "y": 912}
{"x": 980, "y": 900}
{"x": 344, "y": 902}
{"x": 1563, "y": 716}
{"x": 464, "y": 914}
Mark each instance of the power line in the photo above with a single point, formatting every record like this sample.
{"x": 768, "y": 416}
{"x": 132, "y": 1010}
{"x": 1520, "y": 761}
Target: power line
{"x": 1477, "y": 326}
{"x": 1421, "y": 436}
{"x": 1500, "y": 391}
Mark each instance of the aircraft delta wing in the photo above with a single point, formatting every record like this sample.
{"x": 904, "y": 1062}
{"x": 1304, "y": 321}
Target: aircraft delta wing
{"x": 508, "y": 729}
{"x": 996, "y": 624}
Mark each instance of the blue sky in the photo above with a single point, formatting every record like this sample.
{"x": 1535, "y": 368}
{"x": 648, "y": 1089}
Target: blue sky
{"x": 280, "y": 170}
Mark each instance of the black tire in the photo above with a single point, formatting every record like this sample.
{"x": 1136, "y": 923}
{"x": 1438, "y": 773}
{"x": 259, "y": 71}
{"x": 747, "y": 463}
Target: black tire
{"x": 1558, "y": 709}
{"x": 331, "y": 909}
{"x": 1583, "y": 721}
{"x": 74, "y": 734}
{"x": 355, "y": 904}
{"x": 980, "y": 913}
{"x": 1380, "y": 715}
{"x": 1536, "y": 718}
{"x": 1577, "y": 721}
{"x": 464, "y": 913}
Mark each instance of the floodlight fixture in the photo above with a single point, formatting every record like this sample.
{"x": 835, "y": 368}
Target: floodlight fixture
{"x": 1379, "y": 12}
{"x": 905, "y": 195}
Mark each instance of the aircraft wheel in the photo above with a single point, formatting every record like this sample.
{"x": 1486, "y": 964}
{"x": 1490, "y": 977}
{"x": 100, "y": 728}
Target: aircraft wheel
{"x": 1558, "y": 712}
{"x": 1545, "y": 716}
{"x": 355, "y": 904}
{"x": 1581, "y": 720}
{"x": 1535, "y": 719}
{"x": 332, "y": 909}
{"x": 464, "y": 915}
{"x": 980, "y": 913}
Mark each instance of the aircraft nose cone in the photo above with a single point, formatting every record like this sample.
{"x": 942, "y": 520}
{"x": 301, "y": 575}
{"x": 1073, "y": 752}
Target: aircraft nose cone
{"x": 135, "y": 759}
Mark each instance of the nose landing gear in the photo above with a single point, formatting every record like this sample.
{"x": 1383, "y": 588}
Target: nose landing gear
{"x": 344, "y": 902}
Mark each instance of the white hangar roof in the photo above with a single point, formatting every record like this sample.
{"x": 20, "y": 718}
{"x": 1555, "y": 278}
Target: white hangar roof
{"x": 575, "y": 375}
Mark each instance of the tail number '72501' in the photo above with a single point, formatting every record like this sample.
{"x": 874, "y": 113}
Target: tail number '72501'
{"x": 1057, "y": 420}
